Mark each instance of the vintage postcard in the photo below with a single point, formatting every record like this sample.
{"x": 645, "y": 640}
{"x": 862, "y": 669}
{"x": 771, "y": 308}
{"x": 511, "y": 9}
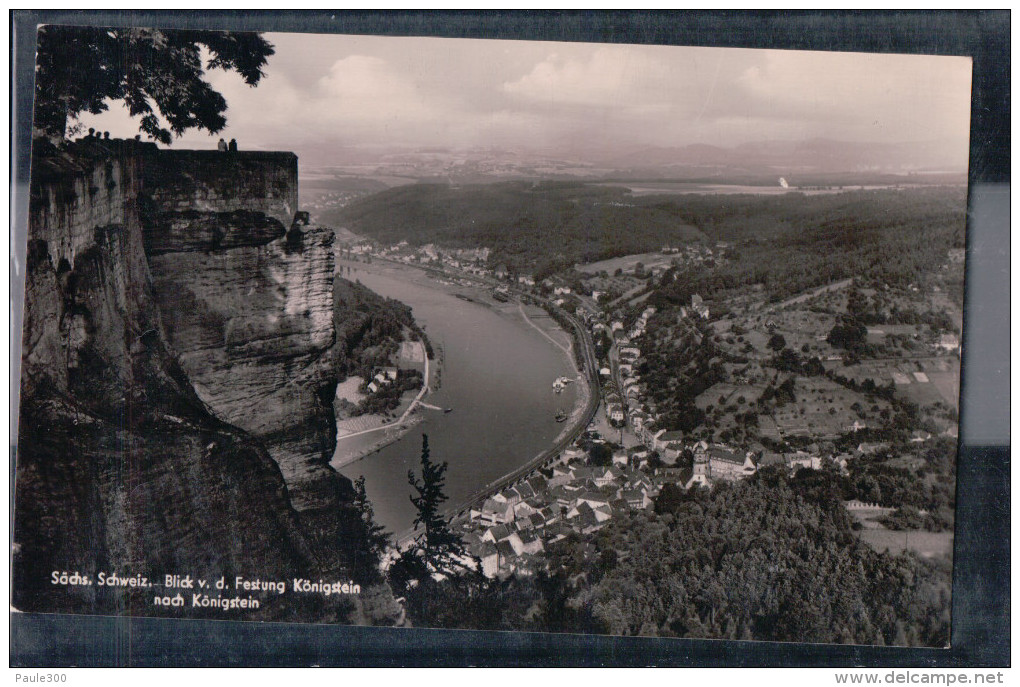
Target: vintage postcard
{"x": 493, "y": 334}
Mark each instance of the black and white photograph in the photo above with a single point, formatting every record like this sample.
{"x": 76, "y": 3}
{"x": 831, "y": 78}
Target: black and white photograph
{"x": 529, "y": 336}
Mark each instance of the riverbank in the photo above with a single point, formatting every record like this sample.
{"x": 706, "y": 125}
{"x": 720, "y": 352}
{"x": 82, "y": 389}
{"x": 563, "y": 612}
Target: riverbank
{"x": 355, "y": 448}
{"x": 583, "y": 388}
{"x": 363, "y": 435}
{"x": 352, "y": 447}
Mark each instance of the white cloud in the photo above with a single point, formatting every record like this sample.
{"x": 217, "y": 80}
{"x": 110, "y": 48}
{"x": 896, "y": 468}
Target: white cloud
{"x": 361, "y": 84}
{"x": 607, "y": 77}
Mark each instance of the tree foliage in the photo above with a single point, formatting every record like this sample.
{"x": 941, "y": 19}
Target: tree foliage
{"x": 437, "y": 549}
{"x": 369, "y": 329}
{"x": 777, "y": 342}
{"x": 848, "y": 334}
{"x": 768, "y": 559}
{"x": 533, "y": 228}
{"x": 158, "y": 74}
{"x": 369, "y": 539}
{"x": 788, "y": 244}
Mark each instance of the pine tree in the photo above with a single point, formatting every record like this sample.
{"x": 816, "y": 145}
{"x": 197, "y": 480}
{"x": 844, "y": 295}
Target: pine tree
{"x": 373, "y": 538}
{"x": 439, "y": 546}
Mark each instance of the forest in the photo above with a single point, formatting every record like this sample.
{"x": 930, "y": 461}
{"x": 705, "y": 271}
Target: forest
{"x": 369, "y": 329}
{"x": 771, "y": 558}
{"x": 785, "y": 243}
{"x": 788, "y": 244}
{"x": 531, "y": 227}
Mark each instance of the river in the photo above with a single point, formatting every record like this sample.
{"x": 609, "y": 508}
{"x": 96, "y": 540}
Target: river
{"x": 497, "y": 375}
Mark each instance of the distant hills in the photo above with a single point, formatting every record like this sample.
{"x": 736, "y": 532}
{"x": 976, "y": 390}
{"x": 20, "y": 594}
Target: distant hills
{"x": 530, "y": 226}
{"x": 809, "y": 161}
{"x": 541, "y": 227}
{"x": 817, "y": 155}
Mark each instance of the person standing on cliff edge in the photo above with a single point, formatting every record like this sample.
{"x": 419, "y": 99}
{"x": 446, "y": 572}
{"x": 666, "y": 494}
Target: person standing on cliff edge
{"x": 233, "y": 145}
{"x": 222, "y": 145}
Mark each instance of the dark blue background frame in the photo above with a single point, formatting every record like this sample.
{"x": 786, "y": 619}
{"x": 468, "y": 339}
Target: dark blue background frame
{"x": 981, "y": 584}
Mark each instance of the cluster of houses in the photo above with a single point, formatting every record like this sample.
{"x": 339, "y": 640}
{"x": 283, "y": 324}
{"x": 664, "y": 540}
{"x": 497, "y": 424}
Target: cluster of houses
{"x": 511, "y": 529}
{"x": 626, "y": 404}
{"x": 384, "y": 377}
{"x": 696, "y": 253}
{"x": 626, "y": 400}
{"x": 470, "y": 260}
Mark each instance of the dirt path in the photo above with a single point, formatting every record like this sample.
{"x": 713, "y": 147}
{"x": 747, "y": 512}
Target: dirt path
{"x": 568, "y": 350}
{"x": 410, "y": 409}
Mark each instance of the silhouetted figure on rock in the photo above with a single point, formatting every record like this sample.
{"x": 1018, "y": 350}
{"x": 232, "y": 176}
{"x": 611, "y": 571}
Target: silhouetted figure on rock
{"x": 233, "y": 145}
{"x": 222, "y": 145}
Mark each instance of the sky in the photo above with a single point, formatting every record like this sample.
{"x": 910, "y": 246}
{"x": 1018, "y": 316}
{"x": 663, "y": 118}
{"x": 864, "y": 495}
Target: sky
{"x": 323, "y": 91}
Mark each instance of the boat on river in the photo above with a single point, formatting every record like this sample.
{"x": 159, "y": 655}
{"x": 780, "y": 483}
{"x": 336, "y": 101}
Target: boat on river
{"x": 561, "y": 416}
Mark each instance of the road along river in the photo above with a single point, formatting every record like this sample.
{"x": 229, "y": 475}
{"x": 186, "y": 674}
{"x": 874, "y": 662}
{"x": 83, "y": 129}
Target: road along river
{"x": 497, "y": 374}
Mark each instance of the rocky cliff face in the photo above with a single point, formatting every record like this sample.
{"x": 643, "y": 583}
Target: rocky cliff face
{"x": 120, "y": 466}
{"x": 184, "y": 181}
{"x": 176, "y": 407}
{"x": 248, "y": 305}
{"x": 253, "y": 325}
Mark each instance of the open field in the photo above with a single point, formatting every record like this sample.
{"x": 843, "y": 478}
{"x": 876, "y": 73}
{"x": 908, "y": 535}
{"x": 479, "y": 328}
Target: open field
{"x": 922, "y": 380}
{"x": 927, "y": 544}
{"x": 948, "y": 385}
{"x": 627, "y": 263}
{"x": 823, "y": 409}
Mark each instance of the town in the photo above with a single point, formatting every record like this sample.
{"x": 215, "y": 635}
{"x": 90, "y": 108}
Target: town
{"x": 750, "y": 419}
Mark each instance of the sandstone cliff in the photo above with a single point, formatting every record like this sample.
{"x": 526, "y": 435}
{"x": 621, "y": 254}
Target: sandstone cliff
{"x": 120, "y": 467}
{"x": 176, "y": 406}
{"x": 253, "y": 326}
{"x": 248, "y": 305}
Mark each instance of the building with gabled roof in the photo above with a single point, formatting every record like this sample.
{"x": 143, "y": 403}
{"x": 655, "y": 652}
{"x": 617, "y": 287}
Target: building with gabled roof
{"x": 537, "y": 484}
{"x": 523, "y": 510}
{"x": 592, "y": 499}
{"x": 494, "y": 512}
{"x": 587, "y": 522}
{"x": 506, "y": 555}
{"x": 729, "y": 465}
{"x": 487, "y": 554}
{"x": 511, "y": 495}
{"x": 525, "y": 491}
{"x": 530, "y": 543}
{"x": 636, "y": 498}
{"x": 496, "y": 533}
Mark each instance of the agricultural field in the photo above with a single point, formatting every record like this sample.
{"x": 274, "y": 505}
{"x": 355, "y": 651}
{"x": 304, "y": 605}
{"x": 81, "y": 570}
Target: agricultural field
{"x": 924, "y": 381}
{"x": 627, "y": 263}
{"x": 826, "y": 410}
{"x": 925, "y": 544}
